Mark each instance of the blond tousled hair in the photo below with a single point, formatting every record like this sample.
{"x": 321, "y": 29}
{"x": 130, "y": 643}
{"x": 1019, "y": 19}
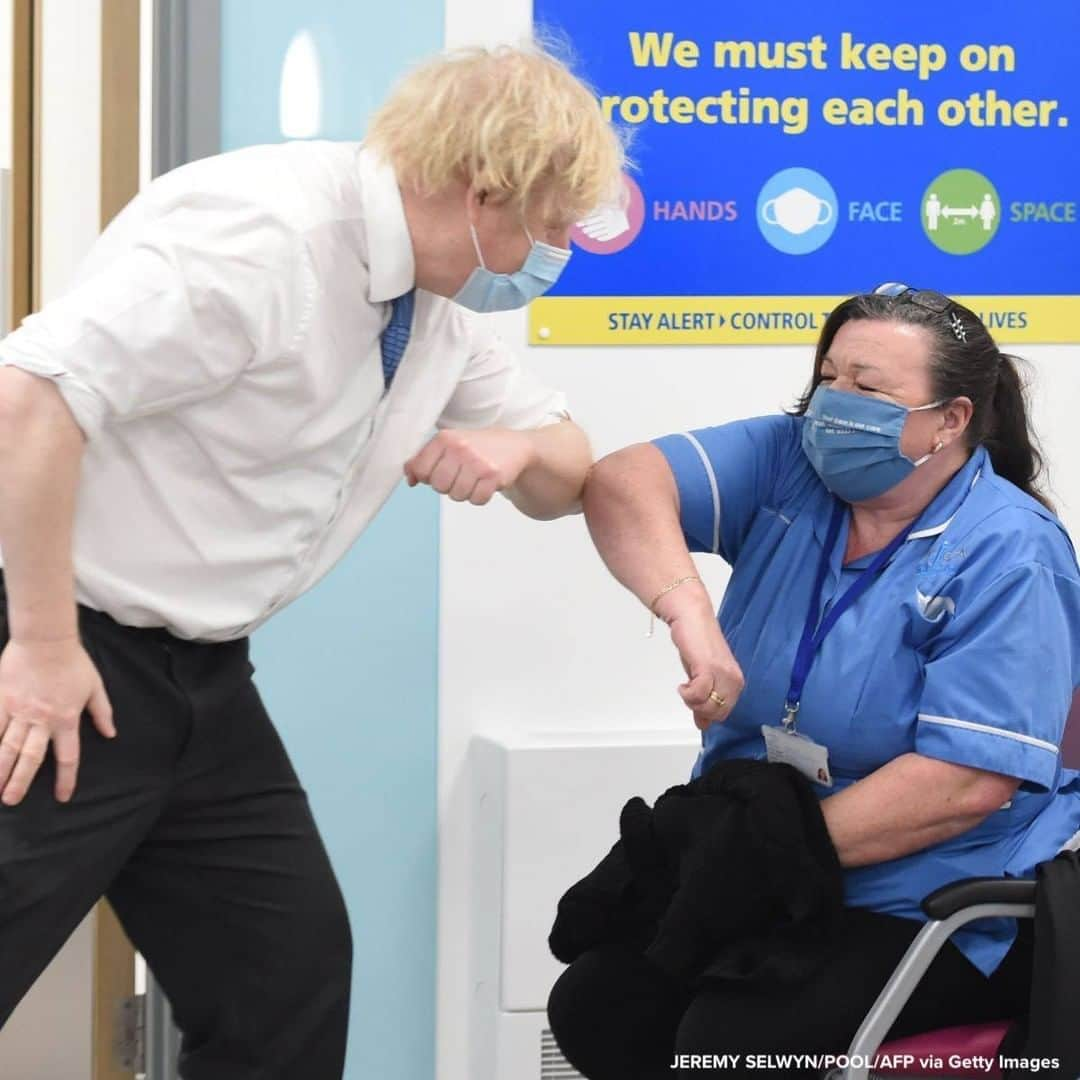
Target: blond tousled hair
{"x": 514, "y": 122}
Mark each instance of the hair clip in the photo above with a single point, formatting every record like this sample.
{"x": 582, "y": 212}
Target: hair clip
{"x": 956, "y": 325}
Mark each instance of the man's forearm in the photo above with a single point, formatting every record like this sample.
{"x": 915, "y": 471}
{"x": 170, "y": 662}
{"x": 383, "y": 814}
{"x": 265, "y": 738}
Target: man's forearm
{"x": 40, "y": 458}
{"x": 910, "y": 803}
{"x": 550, "y": 486}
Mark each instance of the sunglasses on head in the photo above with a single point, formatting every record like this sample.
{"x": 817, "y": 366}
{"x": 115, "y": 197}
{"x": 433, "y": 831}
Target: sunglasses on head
{"x": 932, "y": 301}
{"x": 936, "y": 302}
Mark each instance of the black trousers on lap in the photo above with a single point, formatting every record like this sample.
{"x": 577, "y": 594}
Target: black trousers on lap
{"x": 193, "y": 823}
{"x": 617, "y": 1017}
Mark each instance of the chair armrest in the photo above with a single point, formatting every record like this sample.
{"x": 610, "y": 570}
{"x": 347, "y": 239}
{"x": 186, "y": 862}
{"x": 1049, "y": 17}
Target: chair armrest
{"x": 996, "y": 898}
{"x": 949, "y": 899}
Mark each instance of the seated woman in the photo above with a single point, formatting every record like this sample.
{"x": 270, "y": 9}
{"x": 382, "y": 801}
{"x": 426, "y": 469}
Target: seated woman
{"x": 902, "y": 599}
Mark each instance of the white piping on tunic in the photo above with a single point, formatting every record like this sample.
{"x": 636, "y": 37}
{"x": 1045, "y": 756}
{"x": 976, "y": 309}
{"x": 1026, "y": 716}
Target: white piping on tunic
{"x": 715, "y": 490}
{"x": 950, "y": 721}
{"x": 935, "y": 530}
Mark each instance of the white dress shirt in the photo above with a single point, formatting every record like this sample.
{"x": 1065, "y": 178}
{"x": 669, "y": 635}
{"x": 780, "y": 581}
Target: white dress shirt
{"x": 220, "y": 351}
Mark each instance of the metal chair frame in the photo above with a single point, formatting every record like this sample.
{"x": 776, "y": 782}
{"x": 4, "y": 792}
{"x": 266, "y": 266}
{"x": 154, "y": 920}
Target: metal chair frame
{"x": 948, "y": 912}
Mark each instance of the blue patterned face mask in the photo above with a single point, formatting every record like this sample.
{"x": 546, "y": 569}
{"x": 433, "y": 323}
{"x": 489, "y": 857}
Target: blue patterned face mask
{"x": 853, "y": 442}
{"x": 486, "y": 291}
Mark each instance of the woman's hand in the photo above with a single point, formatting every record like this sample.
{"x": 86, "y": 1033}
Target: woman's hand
{"x": 632, "y": 510}
{"x": 713, "y": 673}
{"x": 44, "y": 687}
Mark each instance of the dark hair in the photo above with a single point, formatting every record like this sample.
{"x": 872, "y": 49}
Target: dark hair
{"x": 972, "y": 367}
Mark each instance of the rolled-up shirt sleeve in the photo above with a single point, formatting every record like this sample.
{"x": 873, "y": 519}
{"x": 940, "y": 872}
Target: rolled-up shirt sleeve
{"x": 496, "y": 390}
{"x": 999, "y": 677}
{"x": 173, "y": 318}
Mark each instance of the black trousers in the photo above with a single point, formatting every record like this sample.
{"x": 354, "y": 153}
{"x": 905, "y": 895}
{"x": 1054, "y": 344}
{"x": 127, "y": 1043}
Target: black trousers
{"x": 617, "y": 1017}
{"x": 193, "y": 823}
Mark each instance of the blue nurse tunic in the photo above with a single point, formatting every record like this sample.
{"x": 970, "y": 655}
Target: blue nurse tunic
{"x": 965, "y": 648}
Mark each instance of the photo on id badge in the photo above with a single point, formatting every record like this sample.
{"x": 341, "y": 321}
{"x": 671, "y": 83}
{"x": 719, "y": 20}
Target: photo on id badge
{"x": 799, "y": 751}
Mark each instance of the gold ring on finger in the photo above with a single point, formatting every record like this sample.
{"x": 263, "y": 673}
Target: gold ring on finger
{"x": 717, "y": 700}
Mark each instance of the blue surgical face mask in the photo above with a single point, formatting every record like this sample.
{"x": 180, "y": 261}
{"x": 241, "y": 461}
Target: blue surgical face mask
{"x": 853, "y": 442}
{"x": 486, "y": 291}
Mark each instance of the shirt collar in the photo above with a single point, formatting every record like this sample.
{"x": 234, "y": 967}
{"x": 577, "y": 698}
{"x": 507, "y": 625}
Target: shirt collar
{"x": 937, "y": 517}
{"x": 391, "y": 265}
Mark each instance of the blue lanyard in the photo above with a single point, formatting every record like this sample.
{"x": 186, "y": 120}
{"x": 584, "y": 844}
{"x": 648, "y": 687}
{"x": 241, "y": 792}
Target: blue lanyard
{"x": 811, "y": 638}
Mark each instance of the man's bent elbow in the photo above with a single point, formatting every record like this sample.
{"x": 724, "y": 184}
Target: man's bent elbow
{"x": 31, "y": 404}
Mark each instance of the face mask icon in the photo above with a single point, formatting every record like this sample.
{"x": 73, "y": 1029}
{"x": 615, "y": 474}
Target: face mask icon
{"x": 797, "y": 211}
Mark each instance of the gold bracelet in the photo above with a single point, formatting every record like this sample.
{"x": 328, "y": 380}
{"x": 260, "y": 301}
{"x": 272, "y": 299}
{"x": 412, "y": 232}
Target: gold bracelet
{"x": 662, "y": 593}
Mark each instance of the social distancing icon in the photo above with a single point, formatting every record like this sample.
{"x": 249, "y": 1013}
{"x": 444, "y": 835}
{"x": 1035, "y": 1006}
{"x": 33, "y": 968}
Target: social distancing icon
{"x": 961, "y": 211}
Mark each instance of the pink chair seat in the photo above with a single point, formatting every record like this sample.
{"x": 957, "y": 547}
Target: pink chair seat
{"x": 914, "y": 1056}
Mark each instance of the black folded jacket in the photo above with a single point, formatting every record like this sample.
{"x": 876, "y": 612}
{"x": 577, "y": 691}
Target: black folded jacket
{"x": 732, "y": 876}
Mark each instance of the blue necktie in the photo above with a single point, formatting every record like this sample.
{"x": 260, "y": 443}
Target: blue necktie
{"x": 396, "y": 335}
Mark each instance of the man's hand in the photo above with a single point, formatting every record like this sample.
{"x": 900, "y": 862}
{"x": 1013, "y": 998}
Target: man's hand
{"x": 44, "y": 687}
{"x": 470, "y": 466}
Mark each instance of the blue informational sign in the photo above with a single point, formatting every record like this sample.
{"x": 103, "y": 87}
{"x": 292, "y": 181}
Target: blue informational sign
{"x": 789, "y": 154}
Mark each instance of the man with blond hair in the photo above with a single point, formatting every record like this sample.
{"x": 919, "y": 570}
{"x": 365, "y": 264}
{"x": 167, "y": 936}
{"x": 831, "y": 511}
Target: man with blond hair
{"x": 254, "y": 353}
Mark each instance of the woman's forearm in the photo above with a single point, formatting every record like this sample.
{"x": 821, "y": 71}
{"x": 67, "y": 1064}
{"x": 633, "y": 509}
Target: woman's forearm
{"x": 632, "y": 510}
{"x": 631, "y": 507}
{"x": 908, "y": 804}
{"x": 40, "y": 458}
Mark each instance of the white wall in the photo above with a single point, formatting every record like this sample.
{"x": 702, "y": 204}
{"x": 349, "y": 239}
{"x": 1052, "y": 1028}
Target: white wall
{"x": 71, "y": 131}
{"x": 7, "y": 16}
{"x": 533, "y": 631}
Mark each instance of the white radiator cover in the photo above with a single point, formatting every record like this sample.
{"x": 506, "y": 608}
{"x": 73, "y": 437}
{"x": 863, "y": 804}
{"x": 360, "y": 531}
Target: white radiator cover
{"x": 545, "y": 810}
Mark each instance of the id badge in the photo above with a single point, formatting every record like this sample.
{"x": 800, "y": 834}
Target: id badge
{"x": 799, "y": 751}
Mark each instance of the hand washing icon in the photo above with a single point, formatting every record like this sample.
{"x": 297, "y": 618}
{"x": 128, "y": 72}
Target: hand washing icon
{"x": 614, "y": 226}
{"x": 797, "y": 211}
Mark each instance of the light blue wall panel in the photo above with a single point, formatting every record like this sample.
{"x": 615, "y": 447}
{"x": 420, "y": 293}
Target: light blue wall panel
{"x": 349, "y": 671}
